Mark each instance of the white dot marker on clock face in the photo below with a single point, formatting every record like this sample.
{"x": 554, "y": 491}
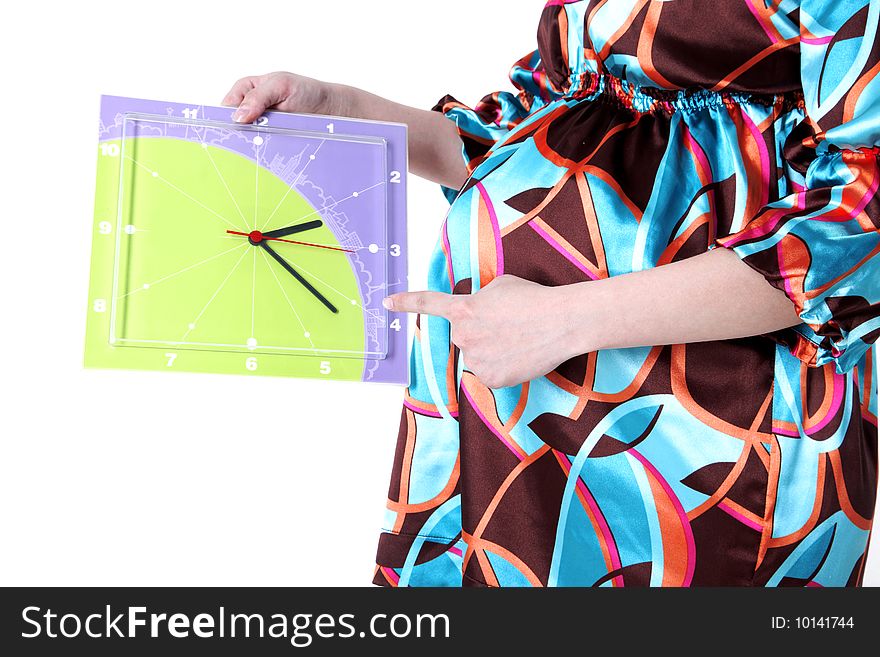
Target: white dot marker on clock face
{"x": 252, "y": 343}
{"x": 204, "y": 145}
{"x": 311, "y": 157}
{"x": 146, "y": 286}
{"x": 258, "y": 141}
{"x": 353, "y": 302}
{"x": 155, "y": 174}
{"x": 307, "y": 334}
{"x": 373, "y": 248}
{"x": 355, "y": 194}
{"x": 191, "y": 326}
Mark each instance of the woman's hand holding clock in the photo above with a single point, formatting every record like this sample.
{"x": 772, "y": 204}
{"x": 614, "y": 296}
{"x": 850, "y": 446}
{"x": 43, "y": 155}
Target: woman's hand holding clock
{"x": 280, "y": 90}
{"x": 433, "y": 141}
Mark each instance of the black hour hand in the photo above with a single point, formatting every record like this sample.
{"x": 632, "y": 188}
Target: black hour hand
{"x": 293, "y": 272}
{"x": 296, "y": 228}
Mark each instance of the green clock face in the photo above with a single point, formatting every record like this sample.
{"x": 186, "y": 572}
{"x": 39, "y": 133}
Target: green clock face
{"x": 243, "y": 249}
{"x": 183, "y": 280}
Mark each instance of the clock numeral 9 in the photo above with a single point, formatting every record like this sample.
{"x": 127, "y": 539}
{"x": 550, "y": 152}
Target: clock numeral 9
{"x": 105, "y": 228}
{"x": 395, "y": 324}
{"x": 250, "y": 364}
{"x": 171, "y": 358}
{"x": 395, "y": 177}
{"x": 325, "y": 367}
{"x": 100, "y": 305}
{"x": 394, "y": 250}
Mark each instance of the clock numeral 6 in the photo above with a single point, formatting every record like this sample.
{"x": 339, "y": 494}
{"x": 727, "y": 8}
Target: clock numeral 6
{"x": 171, "y": 358}
{"x": 105, "y": 228}
{"x": 250, "y": 364}
{"x": 395, "y": 177}
{"x": 100, "y": 305}
{"x": 111, "y": 150}
{"x": 394, "y": 250}
{"x": 396, "y": 324}
{"x": 325, "y": 367}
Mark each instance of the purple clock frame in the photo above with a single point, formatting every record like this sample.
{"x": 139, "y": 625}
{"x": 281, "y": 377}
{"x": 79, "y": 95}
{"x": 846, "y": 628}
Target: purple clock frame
{"x": 320, "y": 185}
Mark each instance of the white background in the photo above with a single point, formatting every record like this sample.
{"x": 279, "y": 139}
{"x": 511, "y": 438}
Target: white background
{"x": 135, "y": 478}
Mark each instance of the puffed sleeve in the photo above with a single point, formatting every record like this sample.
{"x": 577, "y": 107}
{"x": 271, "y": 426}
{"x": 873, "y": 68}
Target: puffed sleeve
{"x": 820, "y": 243}
{"x": 496, "y": 114}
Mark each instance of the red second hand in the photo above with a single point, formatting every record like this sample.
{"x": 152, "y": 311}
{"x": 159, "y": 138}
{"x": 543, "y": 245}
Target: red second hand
{"x": 257, "y": 236}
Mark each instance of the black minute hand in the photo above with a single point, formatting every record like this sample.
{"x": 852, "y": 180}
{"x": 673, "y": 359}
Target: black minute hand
{"x": 293, "y": 272}
{"x": 296, "y": 228}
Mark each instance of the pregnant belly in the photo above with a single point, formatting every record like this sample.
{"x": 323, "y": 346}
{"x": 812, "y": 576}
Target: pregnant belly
{"x": 587, "y": 190}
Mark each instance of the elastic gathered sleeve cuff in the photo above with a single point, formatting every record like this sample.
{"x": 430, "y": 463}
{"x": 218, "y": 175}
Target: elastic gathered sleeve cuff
{"x": 486, "y": 124}
{"x": 820, "y": 244}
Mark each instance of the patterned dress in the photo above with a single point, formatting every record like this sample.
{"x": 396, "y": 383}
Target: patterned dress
{"x": 643, "y": 133}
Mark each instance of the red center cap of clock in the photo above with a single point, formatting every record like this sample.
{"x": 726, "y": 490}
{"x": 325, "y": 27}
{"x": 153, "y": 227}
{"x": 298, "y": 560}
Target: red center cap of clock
{"x": 255, "y": 237}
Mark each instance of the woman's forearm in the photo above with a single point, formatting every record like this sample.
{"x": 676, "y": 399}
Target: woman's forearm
{"x": 434, "y": 144}
{"x": 712, "y": 296}
{"x": 513, "y": 330}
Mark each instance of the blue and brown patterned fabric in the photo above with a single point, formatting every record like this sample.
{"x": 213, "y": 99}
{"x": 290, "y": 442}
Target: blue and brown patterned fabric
{"x": 642, "y": 133}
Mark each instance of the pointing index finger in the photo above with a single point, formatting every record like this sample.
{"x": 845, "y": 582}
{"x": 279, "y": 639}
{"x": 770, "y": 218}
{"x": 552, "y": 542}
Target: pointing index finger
{"x": 427, "y": 303}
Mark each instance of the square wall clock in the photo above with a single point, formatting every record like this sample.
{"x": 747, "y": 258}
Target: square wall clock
{"x": 261, "y": 249}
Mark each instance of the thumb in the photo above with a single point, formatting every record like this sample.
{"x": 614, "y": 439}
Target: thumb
{"x": 255, "y": 102}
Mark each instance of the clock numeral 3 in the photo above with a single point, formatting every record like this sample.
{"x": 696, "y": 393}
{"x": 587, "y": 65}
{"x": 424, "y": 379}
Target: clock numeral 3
{"x": 394, "y": 250}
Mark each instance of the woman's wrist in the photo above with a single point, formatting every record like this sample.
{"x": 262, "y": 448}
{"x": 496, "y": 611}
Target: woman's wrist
{"x": 584, "y": 318}
{"x": 338, "y": 99}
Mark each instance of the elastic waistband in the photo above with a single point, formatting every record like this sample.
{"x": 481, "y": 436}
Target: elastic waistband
{"x": 645, "y": 99}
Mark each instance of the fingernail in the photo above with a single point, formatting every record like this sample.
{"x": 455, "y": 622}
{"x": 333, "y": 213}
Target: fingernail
{"x": 239, "y": 114}
{"x": 388, "y": 303}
